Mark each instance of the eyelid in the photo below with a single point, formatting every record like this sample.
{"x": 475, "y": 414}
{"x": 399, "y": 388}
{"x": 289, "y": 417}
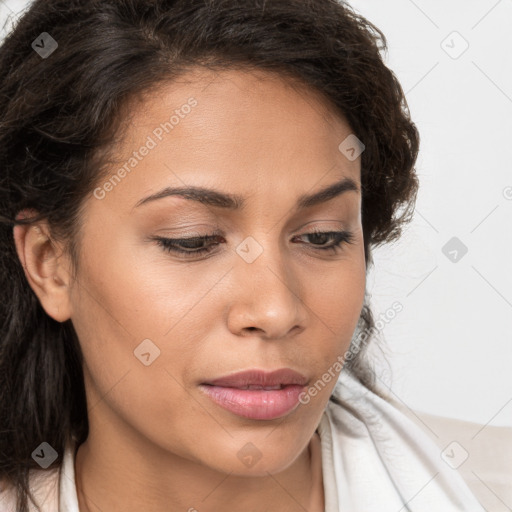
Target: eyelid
{"x": 171, "y": 245}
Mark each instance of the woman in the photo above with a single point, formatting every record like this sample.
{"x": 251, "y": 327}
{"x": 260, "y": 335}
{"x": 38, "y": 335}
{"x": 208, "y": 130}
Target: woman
{"x": 190, "y": 192}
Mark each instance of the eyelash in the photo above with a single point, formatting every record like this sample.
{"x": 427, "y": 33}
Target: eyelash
{"x": 170, "y": 244}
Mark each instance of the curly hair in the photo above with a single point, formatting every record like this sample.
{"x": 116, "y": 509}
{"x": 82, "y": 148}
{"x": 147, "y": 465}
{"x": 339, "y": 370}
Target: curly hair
{"x": 60, "y": 115}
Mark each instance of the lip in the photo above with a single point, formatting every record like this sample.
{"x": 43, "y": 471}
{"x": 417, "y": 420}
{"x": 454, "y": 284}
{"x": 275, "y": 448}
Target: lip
{"x": 231, "y": 393}
{"x": 255, "y": 404}
{"x": 255, "y": 377}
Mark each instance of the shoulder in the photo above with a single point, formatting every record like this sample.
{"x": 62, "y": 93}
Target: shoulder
{"x": 44, "y": 485}
{"x": 392, "y": 450}
{"x": 481, "y": 453}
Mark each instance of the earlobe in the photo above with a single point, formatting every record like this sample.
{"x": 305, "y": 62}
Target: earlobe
{"x": 44, "y": 267}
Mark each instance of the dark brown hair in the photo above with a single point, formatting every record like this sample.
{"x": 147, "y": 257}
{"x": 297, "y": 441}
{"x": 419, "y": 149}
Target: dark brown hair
{"x": 59, "y": 115}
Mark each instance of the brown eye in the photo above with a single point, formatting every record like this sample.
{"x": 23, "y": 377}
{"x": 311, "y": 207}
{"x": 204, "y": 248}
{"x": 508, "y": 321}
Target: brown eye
{"x": 188, "y": 246}
{"x": 322, "y": 237}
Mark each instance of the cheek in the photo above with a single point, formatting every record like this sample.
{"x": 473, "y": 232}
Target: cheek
{"x": 335, "y": 301}
{"x": 336, "y": 298}
{"x": 136, "y": 292}
{"x": 132, "y": 371}
{"x": 130, "y": 302}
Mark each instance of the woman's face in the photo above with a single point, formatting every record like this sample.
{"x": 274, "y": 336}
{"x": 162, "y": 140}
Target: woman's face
{"x": 155, "y": 325}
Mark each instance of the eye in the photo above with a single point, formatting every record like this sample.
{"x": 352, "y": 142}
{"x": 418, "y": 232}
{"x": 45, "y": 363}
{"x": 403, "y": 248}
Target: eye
{"x": 198, "y": 245}
{"x": 338, "y": 238}
{"x": 188, "y": 247}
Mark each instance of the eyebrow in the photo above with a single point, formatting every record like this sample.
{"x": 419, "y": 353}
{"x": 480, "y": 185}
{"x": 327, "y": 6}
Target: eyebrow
{"x": 219, "y": 199}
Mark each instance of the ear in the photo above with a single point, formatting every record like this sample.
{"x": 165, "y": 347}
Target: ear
{"x": 46, "y": 266}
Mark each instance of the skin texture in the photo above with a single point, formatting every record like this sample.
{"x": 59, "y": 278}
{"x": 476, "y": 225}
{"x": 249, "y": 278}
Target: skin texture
{"x": 156, "y": 442}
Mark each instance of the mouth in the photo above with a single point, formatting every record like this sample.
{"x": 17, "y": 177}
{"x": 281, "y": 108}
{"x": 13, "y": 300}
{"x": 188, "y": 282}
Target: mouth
{"x": 254, "y": 386}
{"x": 259, "y": 378}
{"x": 256, "y": 404}
{"x": 256, "y": 394}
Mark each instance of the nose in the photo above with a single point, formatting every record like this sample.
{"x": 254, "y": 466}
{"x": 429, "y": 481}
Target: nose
{"x": 266, "y": 297}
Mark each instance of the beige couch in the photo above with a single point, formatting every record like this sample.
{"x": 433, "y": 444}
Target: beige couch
{"x": 482, "y": 454}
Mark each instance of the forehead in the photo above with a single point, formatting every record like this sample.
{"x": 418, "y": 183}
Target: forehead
{"x": 236, "y": 103}
{"x": 244, "y": 86}
{"x": 244, "y": 131}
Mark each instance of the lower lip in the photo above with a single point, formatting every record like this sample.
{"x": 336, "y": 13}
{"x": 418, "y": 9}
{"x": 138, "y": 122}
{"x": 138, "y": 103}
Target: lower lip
{"x": 256, "y": 404}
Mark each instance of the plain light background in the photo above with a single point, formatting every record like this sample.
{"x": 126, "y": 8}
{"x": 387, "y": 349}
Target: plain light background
{"x": 450, "y": 349}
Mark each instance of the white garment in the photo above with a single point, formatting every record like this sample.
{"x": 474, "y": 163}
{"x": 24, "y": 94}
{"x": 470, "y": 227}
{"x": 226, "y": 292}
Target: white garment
{"x": 374, "y": 459}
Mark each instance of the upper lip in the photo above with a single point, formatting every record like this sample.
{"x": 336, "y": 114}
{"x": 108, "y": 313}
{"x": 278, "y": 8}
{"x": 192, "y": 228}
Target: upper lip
{"x": 255, "y": 377}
